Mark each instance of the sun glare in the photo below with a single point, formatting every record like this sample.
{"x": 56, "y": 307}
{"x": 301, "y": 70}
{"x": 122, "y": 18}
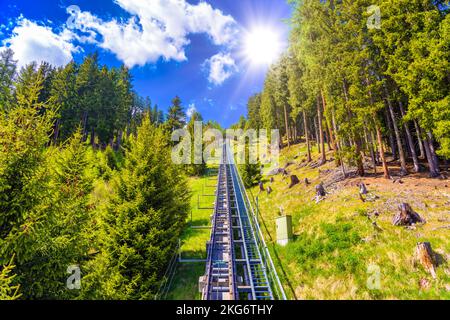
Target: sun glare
{"x": 262, "y": 46}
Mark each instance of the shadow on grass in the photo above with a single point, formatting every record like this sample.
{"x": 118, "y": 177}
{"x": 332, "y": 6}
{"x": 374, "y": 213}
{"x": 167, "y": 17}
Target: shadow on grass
{"x": 199, "y": 223}
{"x": 283, "y": 271}
{"x": 185, "y": 283}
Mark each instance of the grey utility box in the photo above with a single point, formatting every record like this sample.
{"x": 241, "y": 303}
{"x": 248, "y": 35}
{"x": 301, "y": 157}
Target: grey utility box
{"x": 284, "y": 230}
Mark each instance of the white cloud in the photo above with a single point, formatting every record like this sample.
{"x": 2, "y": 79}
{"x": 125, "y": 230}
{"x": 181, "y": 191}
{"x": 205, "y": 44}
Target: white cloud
{"x": 221, "y": 67}
{"x": 32, "y": 42}
{"x": 157, "y": 29}
{"x": 191, "y": 110}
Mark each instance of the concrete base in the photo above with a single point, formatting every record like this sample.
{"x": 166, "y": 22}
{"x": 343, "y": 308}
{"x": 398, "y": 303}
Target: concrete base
{"x": 283, "y": 242}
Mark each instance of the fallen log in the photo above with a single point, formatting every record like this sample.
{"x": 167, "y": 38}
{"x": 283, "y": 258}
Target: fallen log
{"x": 425, "y": 255}
{"x": 294, "y": 181}
{"x": 407, "y": 216}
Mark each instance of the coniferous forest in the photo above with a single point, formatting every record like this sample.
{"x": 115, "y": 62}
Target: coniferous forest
{"x": 359, "y": 90}
{"x": 87, "y": 180}
{"x": 76, "y": 189}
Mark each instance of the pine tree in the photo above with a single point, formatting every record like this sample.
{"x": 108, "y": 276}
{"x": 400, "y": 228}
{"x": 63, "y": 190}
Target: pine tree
{"x": 251, "y": 172}
{"x": 253, "y": 115}
{"x": 64, "y": 98}
{"x": 24, "y": 178}
{"x": 142, "y": 225}
{"x": 23, "y": 137}
{"x": 196, "y": 169}
{"x": 88, "y": 96}
{"x": 268, "y": 111}
{"x": 282, "y": 95}
{"x": 298, "y": 97}
{"x": 63, "y": 238}
{"x": 176, "y": 118}
{"x": 7, "y": 77}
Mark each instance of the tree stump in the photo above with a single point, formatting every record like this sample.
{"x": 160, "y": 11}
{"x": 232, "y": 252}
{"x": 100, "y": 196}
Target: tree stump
{"x": 363, "y": 189}
{"x": 425, "y": 255}
{"x": 261, "y": 186}
{"x": 320, "y": 190}
{"x": 294, "y": 181}
{"x": 269, "y": 190}
{"x": 406, "y": 216}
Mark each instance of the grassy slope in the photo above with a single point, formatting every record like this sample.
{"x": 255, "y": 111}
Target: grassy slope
{"x": 335, "y": 242}
{"x": 185, "y": 283}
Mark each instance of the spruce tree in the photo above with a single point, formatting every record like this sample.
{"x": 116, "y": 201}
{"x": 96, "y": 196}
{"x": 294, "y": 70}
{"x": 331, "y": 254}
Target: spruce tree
{"x": 196, "y": 169}
{"x": 176, "y": 118}
{"x": 7, "y": 77}
{"x": 254, "y": 112}
{"x": 144, "y": 221}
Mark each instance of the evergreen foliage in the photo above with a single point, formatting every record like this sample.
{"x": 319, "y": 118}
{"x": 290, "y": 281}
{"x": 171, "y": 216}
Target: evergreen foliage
{"x": 144, "y": 220}
{"x": 86, "y": 180}
{"x": 362, "y": 90}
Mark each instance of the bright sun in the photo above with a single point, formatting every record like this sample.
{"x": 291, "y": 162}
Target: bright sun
{"x": 262, "y": 46}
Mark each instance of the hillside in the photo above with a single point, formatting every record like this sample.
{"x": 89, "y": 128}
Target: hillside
{"x": 339, "y": 238}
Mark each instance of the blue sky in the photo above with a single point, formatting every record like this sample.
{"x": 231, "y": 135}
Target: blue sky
{"x": 173, "y": 47}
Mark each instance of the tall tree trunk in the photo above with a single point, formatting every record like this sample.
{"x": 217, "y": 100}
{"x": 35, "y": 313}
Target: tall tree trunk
{"x": 434, "y": 172}
{"x": 93, "y": 138}
{"x": 391, "y": 135}
{"x": 381, "y": 151}
{"x": 57, "y": 130}
{"x": 316, "y": 129}
{"x": 401, "y": 153}
{"x": 295, "y": 132}
{"x": 85, "y": 118}
{"x": 336, "y": 140}
{"x": 119, "y": 140}
{"x": 327, "y": 137}
{"x": 329, "y": 127}
{"x": 374, "y": 143}
{"x": 322, "y": 142}
{"x": 431, "y": 155}
{"x": 410, "y": 141}
{"x": 359, "y": 158}
{"x": 370, "y": 147}
{"x": 419, "y": 139}
{"x": 286, "y": 123}
{"x": 308, "y": 144}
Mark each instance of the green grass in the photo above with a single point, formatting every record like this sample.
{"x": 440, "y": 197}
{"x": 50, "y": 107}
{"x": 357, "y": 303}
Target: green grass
{"x": 335, "y": 242}
{"x": 193, "y": 241}
{"x": 185, "y": 282}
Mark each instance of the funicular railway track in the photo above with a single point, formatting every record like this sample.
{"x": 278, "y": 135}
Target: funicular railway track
{"x": 236, "y": 267}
